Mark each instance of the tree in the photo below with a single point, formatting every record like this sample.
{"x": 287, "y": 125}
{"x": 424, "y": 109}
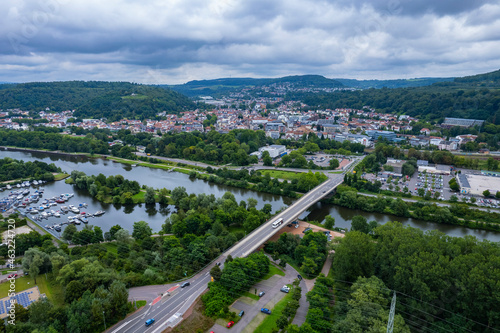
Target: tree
{"x": 282, "y": 322}
{"x": 216, "y": 273}
{"x": 68, "y": 232}
{"x": 354, "y": 257}
{"x": 454, "y": 185}
{"x": 35, "y": 262}
{"x": 497, "y": 195}
{"x": 486, "y": 193}
{"x": 141, "y": 230}
{"x": 359, "y": 223}
{"x": 329, "y": 222}
{"x": 334, "y": 163}
{"x": 266, "y": 158}
{"x": 122, "y": 236}
{"x": 113, "y": 230}
{"x": 149, "y": 197}
{"x": 98, "y": 237}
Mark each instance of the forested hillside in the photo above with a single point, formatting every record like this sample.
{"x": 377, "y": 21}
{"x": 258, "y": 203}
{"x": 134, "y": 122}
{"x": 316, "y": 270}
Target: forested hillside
{"x": 222, "y": 86}
{"x": 475, "y": 97}
{"x": 397, "y": 83}
{"x": 94, "y": 99}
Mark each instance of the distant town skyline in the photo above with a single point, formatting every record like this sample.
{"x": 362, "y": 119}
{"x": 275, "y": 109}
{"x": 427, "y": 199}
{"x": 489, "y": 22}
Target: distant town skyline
{"x": 173, "y": 42}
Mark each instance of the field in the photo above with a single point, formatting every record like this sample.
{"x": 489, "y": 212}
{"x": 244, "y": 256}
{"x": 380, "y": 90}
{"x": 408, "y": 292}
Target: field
{"x": 288, "y": 175}
{"x": 53, "y": 291}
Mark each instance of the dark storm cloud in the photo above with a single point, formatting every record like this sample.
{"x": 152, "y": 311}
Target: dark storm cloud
{"x": 175, "y": 41}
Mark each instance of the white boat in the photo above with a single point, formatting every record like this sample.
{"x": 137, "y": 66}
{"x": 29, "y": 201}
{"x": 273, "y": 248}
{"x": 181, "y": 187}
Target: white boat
{"x": 9, "y": 187}
{"x": 77, "y": 221}
{"x": 64, "y": 209}
{"x": 44, "y": 215}
{"x": 99, "y": 213}
{"x": 33, "y": 211}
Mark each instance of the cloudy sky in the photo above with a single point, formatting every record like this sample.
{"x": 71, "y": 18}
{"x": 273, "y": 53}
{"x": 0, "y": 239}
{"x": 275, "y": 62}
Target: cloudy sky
{"x": 174, "y": 41}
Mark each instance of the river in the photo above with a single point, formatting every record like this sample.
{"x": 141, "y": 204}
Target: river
{"x": 157, "y": 178}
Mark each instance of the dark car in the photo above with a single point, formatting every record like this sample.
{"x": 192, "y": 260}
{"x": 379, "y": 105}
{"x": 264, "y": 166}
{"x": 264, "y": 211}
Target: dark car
{"x": 265, "y": 310}
{"x": 149, "y": 322}
{"x": 289, "y": 225}
{"x": 185, "y": 284}
{"x": 241, "y": 313}
{"x": 299, "y": 277}
{"x": 306, "y": 230}
{"x": 261, "y": 294}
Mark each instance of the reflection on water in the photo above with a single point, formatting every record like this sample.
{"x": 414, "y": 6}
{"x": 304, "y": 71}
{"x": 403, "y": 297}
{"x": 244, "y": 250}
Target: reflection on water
{"x": 343, "y": 217}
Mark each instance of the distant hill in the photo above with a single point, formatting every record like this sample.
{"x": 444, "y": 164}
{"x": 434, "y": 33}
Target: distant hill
{"x": 94, "y": 99}
{"x": 473, "y": 97}
{"x": 491, "y": 79}
{"x": 222, "y": 86}
{"x": 400, "y": 83}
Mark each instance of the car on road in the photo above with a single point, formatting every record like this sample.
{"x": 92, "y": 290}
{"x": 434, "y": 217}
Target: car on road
{"x": 265, "y": 310}
{"x": 285, "y": 289}
{"x": 299, "y": 277}
{"x": 241, "y": 313}
{"x": 262, "y": 293}
{"x": 12, "y": 276}
{"x": 230, "y": 324}
{"x": 150, "y": 321}
{"x": 185, "y": 284}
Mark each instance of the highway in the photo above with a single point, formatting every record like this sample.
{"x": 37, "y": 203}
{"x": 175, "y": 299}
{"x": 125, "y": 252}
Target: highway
{"x": 167, "y": 310}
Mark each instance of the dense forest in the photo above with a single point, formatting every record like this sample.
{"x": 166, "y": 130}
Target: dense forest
{"x": 474, "y": 97}
{"x": 17, "y": 169}
{"x": 443, "y": 283}
{"x": 94, "y": 99}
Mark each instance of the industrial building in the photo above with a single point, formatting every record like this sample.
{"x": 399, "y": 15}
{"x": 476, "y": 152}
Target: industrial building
{"x": 439, "y": 169}
{"x": 274, "y": 151}
{"x": 477, "y": 184}
{"x": 397, "y": 165}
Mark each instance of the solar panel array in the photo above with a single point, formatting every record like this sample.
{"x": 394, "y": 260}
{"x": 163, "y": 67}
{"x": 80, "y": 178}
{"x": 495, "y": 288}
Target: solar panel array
{"x": 21, "y": 298}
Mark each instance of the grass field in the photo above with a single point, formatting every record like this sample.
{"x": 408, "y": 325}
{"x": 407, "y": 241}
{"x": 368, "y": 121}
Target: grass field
{"x": 273, "y": 270}
{"x": 111, "y": 247}
{"x": 60, "y": 176}
{"x": 50, "y": 288}
{"x": 269, "y": 323}
{"x": 288, "y": 175}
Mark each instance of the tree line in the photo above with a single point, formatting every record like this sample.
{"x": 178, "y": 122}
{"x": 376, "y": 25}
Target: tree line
{"x": 18, "y": 169}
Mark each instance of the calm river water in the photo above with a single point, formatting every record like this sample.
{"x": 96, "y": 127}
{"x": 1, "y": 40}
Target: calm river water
{"x": 126, "y": 216}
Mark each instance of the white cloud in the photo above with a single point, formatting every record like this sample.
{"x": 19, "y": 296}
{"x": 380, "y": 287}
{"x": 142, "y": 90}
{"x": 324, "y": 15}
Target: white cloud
{"x": 176, "y": 41}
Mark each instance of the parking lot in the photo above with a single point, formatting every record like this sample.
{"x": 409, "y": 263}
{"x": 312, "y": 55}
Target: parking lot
{"x": 435, "y": 184}
{"x": 323, "y": 160}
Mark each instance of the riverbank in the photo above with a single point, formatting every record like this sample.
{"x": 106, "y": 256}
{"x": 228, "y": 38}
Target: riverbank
{"x": 453, "y": 214}
{"x": 57, "y": 152}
